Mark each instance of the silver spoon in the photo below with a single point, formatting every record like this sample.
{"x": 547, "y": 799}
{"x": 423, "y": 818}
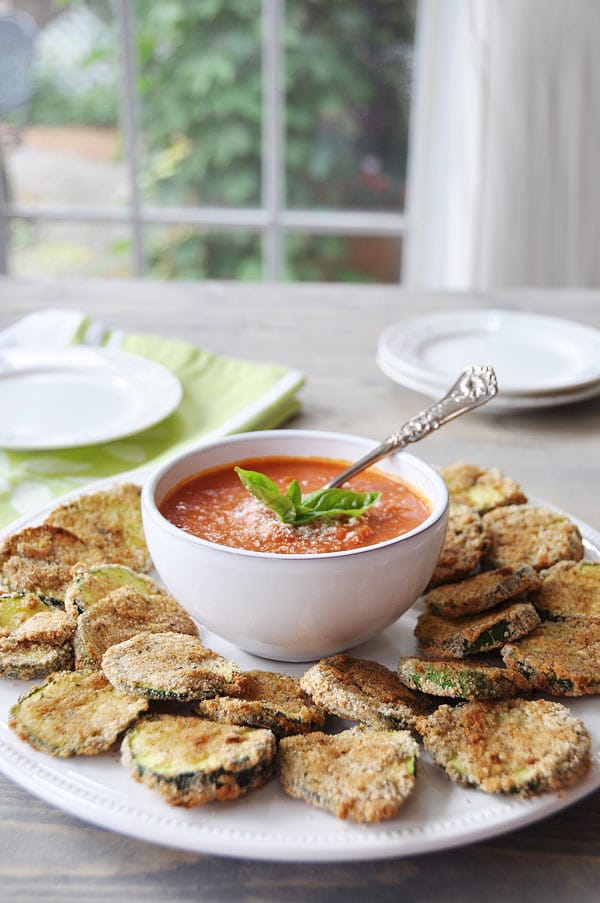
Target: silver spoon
{"x": 474, "y": 387}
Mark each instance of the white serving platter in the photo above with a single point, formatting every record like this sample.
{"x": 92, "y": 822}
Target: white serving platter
{"x": 266, "y": 824}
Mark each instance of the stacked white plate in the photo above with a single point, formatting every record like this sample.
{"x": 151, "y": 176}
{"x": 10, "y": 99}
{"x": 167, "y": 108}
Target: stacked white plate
{"x": 539, "y": 361}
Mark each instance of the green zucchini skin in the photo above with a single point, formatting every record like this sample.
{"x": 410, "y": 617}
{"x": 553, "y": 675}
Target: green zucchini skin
{"x": 457, "y": 679}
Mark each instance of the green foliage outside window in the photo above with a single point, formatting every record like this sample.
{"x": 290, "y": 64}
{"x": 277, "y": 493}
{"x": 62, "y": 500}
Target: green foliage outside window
{"x": 200, "y": 88}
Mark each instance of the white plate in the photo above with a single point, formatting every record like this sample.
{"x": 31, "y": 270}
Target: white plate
{"x": 267, "y": 824}
{"x": 501, "y": 404}
{"x": 532, "y": 355}
{"x": 79, "y": 396}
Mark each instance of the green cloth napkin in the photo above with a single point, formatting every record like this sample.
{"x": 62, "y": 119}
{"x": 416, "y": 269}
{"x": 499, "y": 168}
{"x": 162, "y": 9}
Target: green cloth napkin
{"x": 220, "y": 396}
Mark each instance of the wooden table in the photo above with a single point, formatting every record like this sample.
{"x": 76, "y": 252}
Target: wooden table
{"x": 330, "y": 333}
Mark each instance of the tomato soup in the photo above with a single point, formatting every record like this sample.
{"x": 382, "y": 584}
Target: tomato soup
{"x": 215, "y": 506}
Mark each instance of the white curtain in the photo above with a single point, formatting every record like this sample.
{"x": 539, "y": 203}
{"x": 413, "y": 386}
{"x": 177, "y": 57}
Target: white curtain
{"x": 505, "y": 160}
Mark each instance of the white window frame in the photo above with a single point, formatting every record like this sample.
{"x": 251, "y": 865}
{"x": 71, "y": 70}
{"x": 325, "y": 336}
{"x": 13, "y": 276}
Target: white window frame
{"x": 272, "y": 221}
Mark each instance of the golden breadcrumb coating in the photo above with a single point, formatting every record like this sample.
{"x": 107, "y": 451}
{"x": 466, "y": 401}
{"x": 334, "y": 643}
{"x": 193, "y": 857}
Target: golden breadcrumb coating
{"x": 170, "y": 666}
{"x": 362, "y": 690}
{"x": 76, "y": 713}
{"x": 362, "y": 774}
{"x": 109, "y": 521}
{"x": 269, "y": 699}
{"x": 464, "y": 546}
{"x": 518, "y": 746}
{"x": 537, "y": 536}
{"x": 481, "y": 591}
{"x": 457, "y": 637}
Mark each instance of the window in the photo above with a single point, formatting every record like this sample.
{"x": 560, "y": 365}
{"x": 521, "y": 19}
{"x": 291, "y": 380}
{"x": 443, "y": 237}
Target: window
{"x": 235, "y": 139}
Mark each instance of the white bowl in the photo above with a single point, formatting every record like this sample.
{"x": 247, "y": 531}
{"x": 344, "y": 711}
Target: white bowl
{"x": 294, "y": 607}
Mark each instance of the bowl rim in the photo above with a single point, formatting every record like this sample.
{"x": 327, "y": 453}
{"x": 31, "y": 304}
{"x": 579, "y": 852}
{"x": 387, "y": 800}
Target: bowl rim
{"x": 150, "y": 506}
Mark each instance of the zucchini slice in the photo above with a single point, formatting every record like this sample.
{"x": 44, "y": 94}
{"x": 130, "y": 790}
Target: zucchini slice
{"x": 16, "y": 608}
{"x": 481, "y": 592}
{"x": 458, "y": 679}
{"x": 523, "y": 534}
{"x": 26, "y": 618}
{"x": 560, "y": 657}
{"x": 76, "y": 713}
{"x": 362, "y": 774}
{"x": 35, "y": 661}
{"x": 170, "y": 665}
{"x": 445, "y": 638}
{"x": 122, "y": 614}
{"x": 570, "y": 589}
{"x": 362, "y": 690}
{"x": 35, "y": 637}
{"x": 190, "y": 761}
{"x": 517, "y": 746}
{"x": 481, "y": 488}
{"x": 90, "y": 586}
{"x": 464, "y": 546}
{"x": 110, "y": 522}
{"x": 41, "y": 560}
{"x": 269, "y": 699}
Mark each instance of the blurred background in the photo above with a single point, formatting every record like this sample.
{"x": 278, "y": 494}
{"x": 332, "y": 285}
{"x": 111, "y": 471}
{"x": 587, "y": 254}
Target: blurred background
{"x": 189, "y": 139}
{"x": 441, "y": 143}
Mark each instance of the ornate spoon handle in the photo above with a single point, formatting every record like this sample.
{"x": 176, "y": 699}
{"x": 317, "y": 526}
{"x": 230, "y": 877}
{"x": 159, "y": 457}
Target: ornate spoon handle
{"x": 474, "y": 387}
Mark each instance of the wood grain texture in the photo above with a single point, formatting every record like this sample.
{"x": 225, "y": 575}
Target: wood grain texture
{"x": 330, "y": 333}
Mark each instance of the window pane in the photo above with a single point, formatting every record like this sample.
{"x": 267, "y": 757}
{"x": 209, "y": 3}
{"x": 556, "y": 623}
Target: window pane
{"x": 57, "y": 249}
{"x": 62, "y": 144}
{"x": 348, "y": 81}
{"x": 185, "y": 252}
{"x": 200, "y": 101}
{"x": 337, "y": 258}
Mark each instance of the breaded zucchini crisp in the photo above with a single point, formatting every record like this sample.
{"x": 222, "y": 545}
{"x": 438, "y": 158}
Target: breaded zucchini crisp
{"x": 458, "y": 679}
{"x": 91, "y": 585}
{"x": 520, "y": 535}
{"x": 570, "y": 589}
{"x": 518, "y": 746}
{"x": 76, "y": 713}
{"x": 464, "y": 545}
{"x": 362, "y": 690}
{"x": 455, "y": 638}
{"x": 481, "y": 591}
{"x": 270, "y": 700}
{"x": 480, "y": 488}
{"x": 170, "y": 666}
{"x": 35, "y": 637}
{"x": 361, "y": 774}
{"x": 560, "y": 657}
{"x": 110, "y": 522}
{"x": 42, "y": 559}
{"x": 191, "y": 761}
{"x": 122, "y": 614}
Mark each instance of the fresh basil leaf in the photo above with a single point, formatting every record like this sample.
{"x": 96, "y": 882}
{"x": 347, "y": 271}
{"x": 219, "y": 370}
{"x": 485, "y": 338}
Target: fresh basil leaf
{"x": 291, "y": 508}
{"x": 335, "y": 503}
{"x": 339, "y": 500}
{"x": 267, "y": 492}
{"x": 294, "y": 493}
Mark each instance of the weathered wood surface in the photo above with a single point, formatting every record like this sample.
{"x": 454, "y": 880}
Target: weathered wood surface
{"x": 330, "y": 333}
